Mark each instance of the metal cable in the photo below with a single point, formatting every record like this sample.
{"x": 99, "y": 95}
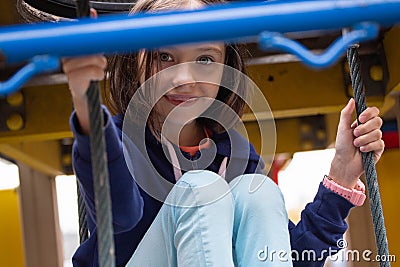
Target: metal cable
{"x": 368, "y": 161}
{"x": 82, "y": 8}
{"x": 101, "y": 184}
{"x": 83, "y": 228}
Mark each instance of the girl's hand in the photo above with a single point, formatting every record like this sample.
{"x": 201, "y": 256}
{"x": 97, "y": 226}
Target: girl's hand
{"x": 81, "y": 70}
{"x": 347, "y": 166}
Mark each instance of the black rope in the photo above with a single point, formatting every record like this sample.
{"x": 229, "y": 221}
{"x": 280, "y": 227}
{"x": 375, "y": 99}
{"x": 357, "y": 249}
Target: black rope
{"x": 82, "y": 8}
{"x": 83, "y": 228}
{"x": 368, "y": 162}
{"x": 101, "y": 184}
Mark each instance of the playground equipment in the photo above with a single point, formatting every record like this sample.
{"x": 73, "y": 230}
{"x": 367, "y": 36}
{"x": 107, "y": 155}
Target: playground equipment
{"x": 262, "y": 22}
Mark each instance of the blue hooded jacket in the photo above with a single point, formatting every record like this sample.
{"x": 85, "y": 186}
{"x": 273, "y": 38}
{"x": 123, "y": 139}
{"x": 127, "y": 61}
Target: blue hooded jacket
{"x": 322, "y": 221}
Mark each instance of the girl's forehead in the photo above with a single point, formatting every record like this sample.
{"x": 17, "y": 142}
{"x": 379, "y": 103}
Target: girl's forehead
{"x": 217, "y": 47}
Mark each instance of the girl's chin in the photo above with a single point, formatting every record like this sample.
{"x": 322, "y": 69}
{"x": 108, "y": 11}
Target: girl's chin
{"x": 179, "y": 121}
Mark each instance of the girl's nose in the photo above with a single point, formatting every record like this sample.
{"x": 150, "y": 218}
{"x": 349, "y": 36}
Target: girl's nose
{"x": 184, "y": 76}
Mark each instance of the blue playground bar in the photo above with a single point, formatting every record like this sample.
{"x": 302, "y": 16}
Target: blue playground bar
{"x": 122, "y": 33}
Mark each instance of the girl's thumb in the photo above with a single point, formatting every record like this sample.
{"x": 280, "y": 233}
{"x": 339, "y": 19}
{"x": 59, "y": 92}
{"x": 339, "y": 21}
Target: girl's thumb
{"x": 347, "y": 113}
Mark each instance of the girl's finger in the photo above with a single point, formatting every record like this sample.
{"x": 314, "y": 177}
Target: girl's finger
{"x": 370, "y": 137}
{"x": 370, "y": 125}
{"x": 93, "y": 13}
{"x": 70, "y": 64}
{"x": 377, "y": 146}
{"x": 378, "y": 153}
{"x": 354, "y": 124}
{"x": 79, "y": 79}
{"x": 87, "y": 73}
{"x": 368, "y": 114}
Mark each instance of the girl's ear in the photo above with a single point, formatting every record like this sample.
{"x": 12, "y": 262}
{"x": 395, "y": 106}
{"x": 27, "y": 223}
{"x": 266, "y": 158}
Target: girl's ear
{"x": 93, "y": 13}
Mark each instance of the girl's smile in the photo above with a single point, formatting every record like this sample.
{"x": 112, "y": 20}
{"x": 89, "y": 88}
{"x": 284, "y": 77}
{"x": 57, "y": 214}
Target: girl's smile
{"x": 179, "y": 99}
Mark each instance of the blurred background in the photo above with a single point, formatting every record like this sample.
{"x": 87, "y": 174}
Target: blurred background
{"x": 38, "y": 202}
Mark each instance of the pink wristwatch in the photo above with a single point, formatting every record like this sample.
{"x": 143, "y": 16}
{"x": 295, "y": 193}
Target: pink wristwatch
{"x": 356, "y": 195}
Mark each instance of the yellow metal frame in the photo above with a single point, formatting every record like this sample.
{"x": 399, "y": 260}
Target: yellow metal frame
{"x": 11, "y": 243}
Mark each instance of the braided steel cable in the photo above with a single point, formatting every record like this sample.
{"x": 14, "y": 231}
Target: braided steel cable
{"x": 368, "y": 162}
{"x": 101, "y": 184}
{"x": 83, "y": 227}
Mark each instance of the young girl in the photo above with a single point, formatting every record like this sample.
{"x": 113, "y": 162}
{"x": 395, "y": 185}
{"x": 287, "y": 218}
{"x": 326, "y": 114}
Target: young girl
{"x": 215, "y": 214}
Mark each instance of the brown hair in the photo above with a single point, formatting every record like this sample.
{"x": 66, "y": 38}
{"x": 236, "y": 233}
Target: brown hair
{"x": 127, "y": 71}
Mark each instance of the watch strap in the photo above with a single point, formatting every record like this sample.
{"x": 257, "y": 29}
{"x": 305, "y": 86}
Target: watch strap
{"x": 356, "y": 195}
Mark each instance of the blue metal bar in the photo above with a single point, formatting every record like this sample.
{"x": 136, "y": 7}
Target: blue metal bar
{"x": 121, "y": 33}
{"x": 363, "y": 32}
{"x": 38, "y": 64}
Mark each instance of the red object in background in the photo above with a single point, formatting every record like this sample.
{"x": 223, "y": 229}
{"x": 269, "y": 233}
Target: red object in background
{"x": 390, "y": 134}
{"x": 273, "y": 172}
{"x": 391, "y": 139}
{"x": 277, "y": 164}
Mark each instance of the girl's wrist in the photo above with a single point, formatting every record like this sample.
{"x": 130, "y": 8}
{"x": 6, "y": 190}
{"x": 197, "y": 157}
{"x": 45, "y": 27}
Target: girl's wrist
{"x": 79, "y": 98}
{"x": 339, "y": 174}
{"x": 81, "y": 109}
{"x": 356, "y": 195}
{"x": 342, "y": 180}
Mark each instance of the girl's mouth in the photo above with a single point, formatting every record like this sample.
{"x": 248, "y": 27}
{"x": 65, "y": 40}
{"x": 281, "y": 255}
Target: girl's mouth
{"x": 185, "y": 100}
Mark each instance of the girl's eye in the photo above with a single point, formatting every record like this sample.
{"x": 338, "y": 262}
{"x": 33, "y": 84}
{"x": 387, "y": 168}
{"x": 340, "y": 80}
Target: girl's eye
{"x": 205, "y": 60}
{"x": 165, "y": 57}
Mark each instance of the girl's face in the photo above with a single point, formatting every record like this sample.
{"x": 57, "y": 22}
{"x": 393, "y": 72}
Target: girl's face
{"x": 188, "y": 80}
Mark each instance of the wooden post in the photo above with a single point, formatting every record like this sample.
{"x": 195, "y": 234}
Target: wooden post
{"x": 40, "y": 221}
